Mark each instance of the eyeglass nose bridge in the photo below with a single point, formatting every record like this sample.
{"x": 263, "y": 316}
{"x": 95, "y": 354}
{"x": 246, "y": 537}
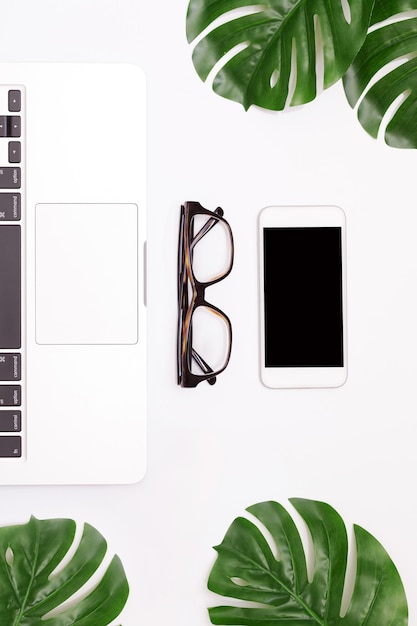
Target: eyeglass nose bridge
{"x": 201, "y": 286}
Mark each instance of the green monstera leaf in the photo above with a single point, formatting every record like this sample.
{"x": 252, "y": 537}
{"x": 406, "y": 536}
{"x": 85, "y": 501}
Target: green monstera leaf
{"x": 274, "y": 44}
{"x": 391, "y": 52}
{"x": 278, "y": 590}
{"x": 35, "y": 579}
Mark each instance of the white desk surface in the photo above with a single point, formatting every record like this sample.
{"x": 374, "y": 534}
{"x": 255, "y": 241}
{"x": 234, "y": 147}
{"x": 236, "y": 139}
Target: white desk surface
{"x": 215, "y": 450}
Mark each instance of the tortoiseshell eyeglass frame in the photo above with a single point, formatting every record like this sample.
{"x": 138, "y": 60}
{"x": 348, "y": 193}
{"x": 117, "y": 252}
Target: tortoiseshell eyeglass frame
{"x": 191, "y": 294}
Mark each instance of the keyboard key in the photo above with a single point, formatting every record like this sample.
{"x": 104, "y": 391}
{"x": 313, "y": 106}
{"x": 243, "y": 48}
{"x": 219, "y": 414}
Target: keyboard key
{"x": 10, "y": 366}
{"x": 10, "y": 287}
{"x": 10, "y": 395}
{"x": 14, "y": 127}
{"x": 15, "y": 100}
{"x": 10, "y": 421}
{"x": 10, "y": 178}
{"x": 9, "y": 207}
{"x": 10, "y": 446}
{"x": 14, "y": 152}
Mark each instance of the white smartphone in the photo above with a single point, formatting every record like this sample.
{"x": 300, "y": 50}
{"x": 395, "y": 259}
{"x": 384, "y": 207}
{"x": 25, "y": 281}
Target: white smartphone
{"x": 303, "y": 296}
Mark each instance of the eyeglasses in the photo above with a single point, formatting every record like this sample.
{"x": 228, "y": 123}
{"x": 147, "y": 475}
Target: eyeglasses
{"x": 205, "y": 257}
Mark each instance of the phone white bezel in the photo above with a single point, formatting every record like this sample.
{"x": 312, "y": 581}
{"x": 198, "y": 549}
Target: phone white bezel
{"x": 302, "y": 216}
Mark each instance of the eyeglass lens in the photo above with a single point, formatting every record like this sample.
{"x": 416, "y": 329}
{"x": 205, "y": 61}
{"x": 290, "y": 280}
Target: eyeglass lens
{"x": 212, "y": 253}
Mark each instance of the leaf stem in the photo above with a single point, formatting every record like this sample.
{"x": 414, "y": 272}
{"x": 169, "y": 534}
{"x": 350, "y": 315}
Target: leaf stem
{"x": 23, "y": 606}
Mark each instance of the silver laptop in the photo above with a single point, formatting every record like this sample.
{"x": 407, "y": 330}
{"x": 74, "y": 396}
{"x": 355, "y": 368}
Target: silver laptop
{"x": 72, "y": 273}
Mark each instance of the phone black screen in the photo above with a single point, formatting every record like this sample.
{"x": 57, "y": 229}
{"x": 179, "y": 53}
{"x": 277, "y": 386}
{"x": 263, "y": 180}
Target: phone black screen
{"x": 303, "y": 297}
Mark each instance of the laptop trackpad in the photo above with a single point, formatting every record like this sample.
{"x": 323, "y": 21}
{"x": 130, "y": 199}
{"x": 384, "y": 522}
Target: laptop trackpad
{"x": 86, "y": 274}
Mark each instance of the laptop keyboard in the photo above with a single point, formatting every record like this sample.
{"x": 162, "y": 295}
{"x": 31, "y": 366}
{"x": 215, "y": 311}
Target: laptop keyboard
{"x": 11, "y": 212}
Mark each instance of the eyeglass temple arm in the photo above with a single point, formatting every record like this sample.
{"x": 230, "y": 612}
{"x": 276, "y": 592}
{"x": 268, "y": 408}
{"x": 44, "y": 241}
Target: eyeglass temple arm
{"x": 206, "y": 228}
{"x": 204, "y": 366}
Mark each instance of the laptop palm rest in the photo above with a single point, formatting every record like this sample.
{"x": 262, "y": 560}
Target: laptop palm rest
{"x": 86, "y": 274}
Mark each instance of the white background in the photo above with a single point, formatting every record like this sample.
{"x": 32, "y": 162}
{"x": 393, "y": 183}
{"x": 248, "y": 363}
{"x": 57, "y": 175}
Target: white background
{"x": 215, "y": 450}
